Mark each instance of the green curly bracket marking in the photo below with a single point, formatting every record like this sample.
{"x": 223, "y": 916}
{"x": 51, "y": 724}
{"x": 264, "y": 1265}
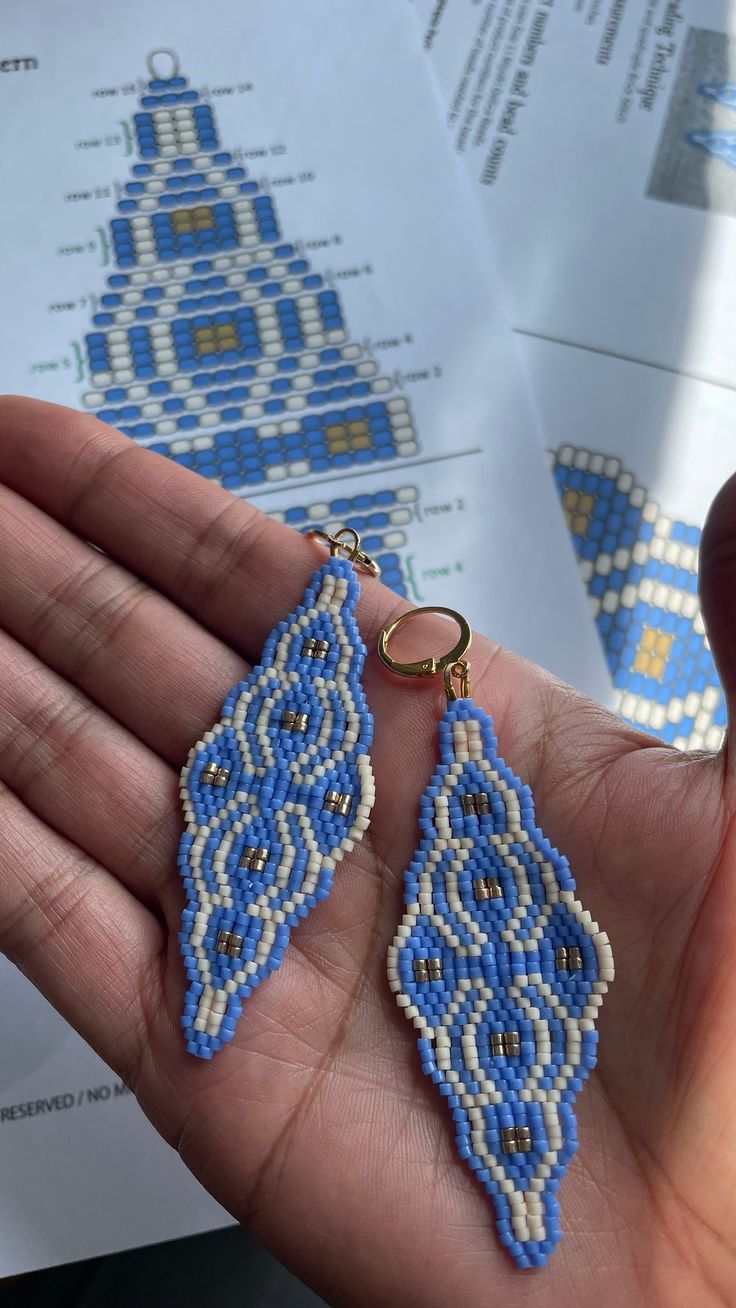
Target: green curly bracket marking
{"x": 127, "y": 137}
{"x": 78, "y": 360}
{"x": 411, "y": 578}
{"x": 104, "y": 246}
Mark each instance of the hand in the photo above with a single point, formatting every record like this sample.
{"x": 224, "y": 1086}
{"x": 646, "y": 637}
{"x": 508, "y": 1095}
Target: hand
{"x": 316, "y": 1127}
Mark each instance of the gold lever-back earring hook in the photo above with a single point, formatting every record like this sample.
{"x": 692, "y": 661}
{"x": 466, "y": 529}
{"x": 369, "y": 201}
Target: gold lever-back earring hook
{"x": 340, "y": 549}
{"x": 453, "y": 664}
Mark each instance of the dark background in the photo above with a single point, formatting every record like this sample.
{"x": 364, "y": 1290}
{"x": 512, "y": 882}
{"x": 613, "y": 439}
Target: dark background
{"x": 223, "y": 1269}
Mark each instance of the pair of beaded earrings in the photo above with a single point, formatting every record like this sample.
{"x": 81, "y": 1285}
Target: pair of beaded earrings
{"x": 495, "y": 962}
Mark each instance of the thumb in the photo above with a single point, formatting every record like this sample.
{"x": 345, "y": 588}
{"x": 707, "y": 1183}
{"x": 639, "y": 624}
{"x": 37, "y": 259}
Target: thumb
{"x": 718, "y": 588}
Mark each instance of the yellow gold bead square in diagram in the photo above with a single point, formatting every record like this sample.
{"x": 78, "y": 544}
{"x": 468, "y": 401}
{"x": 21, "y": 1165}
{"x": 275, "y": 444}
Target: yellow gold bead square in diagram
{"x": 344, "y": 437}
{"x": 653, "y": 652}
{"x": 201, "y": 219}
{"x": 216, "y": 339}
{"x": 578, "y": 506}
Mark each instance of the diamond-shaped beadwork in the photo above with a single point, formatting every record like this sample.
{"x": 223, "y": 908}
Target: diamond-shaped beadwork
{"x": 502, "y": 973}
{"x": 258, "y": 855}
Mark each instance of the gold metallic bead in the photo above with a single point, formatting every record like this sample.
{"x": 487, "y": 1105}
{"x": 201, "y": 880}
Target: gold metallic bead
{"x": 254, "y": 859}
{"x": 569, "y": 959}
{"x": 338, "y": 802}
{"x": 295, "y": 721}
{"x": 476, "y": 803}
{"x": 315, "y": 649}
{"x": 212, "y": 775}
{"x": 523, "y": 1139}
{"x": 229, "y": 943}
{"x": 516, "y": 1139}
{"x": 487, "y": 888}
{"x": 508, "y": 1139}
{"x": 428, "y": 969}
{"x": 505, "y": 1043}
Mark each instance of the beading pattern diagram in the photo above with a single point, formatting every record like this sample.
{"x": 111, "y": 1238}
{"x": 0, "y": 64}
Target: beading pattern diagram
{"x": 379, "y": 516}
{"x": 502, "y": 973}
{"x": 720, "y": 144}
{"x": 215, "y": 343}
{"x": 641, "y": 571}
{"x": 274, "y": 796}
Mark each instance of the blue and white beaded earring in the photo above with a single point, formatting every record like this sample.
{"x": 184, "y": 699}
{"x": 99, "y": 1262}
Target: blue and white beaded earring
{"x": 498, "y": 966}
{"x": 274, "y": 796}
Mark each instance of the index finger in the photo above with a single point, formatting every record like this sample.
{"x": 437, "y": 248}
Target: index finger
{"x": 217, "y": 556}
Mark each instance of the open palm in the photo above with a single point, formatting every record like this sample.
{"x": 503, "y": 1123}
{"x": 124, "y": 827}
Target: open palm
{"x": 316, "y": 1127}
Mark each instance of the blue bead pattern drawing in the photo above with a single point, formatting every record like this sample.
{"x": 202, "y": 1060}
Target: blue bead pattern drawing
{"x": 274, "y": 796}
{"x": 722, "y": 92}
{"x": 216, "y": 342}
{"x": 720, "y": 145}
{"x": 640, "y": 568}
{"x": 502, "y": 973}
{"x": 381, "y": 517}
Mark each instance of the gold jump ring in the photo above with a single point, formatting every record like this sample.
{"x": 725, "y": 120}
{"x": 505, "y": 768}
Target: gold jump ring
{"x": 346, "y": 550}
{"x": 452, "y": 664}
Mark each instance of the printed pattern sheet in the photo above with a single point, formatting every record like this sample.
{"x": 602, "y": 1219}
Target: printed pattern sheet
{"x": 617, "y": 123}
{"x": 259, "y": 258}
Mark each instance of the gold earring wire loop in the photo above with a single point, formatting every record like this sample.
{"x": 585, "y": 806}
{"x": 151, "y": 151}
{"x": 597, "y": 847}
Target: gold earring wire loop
{"x": 350, "y": 550}
{"x": 452, "y": 664}
{"x": 460, "y": 670}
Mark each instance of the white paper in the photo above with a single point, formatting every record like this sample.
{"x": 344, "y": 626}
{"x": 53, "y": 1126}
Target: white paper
{"x": 83, "y": 1172}
{"x": 337, "y": 117}
{"x": 601, "y": 139}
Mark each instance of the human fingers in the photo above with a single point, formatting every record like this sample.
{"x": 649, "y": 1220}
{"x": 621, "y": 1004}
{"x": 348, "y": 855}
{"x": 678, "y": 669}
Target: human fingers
{"x": 92, "y": 949}
{"x": 136, "y": 654}
{"x": 219, "y": 558}
{"x": 87, "y": 778}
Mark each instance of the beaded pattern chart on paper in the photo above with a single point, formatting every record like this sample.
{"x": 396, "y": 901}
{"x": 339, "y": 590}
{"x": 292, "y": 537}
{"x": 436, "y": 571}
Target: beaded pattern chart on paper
{"x": 215, "y": 342}
{"x": 719, "y": 144}
{"x": 274, "y": 796}
{"x": 381, "y": 517}
{"x": 641, "y": 571}
{"x": 502, "y": 973}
